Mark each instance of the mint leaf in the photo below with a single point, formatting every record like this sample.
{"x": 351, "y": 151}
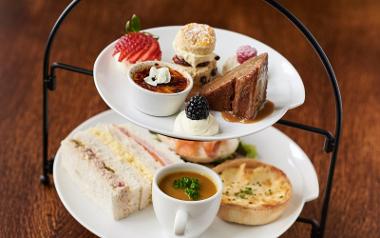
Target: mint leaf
{"x": 133, "y": 25}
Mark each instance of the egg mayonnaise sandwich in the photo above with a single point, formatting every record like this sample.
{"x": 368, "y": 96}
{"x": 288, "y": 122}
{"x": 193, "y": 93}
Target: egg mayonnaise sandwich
{"x": 114, "y": 165}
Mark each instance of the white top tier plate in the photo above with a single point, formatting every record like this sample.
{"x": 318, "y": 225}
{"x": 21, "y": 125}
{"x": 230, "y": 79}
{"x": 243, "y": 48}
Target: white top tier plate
{"x": 285, "y": 87}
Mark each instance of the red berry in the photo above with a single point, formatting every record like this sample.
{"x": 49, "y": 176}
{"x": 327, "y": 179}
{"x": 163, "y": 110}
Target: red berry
{"x": 244, "y": 53}
{"x": 137, "y": 46}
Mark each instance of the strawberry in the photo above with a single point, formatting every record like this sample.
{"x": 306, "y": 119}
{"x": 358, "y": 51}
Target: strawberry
{"x": 136, "y": 45}
{"x": 135, "y": 56}
{"x": 151, "y": 52}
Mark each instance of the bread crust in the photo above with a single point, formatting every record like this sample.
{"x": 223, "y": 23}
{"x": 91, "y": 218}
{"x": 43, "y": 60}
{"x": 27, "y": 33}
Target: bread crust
{"x": 258, "y": 214}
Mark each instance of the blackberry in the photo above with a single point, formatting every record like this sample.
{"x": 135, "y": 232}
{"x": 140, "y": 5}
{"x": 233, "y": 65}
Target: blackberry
{"x": 197, "y": 108}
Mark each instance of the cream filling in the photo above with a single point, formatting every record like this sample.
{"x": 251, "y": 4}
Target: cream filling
{"x": 205, "y": 127}
{"x": 229, "y": 64}
{"x": 158, "y": 76}
{"x": 123, "y": 65}
{"x": 193, "y": 59}
{"x": 119, "y": 150}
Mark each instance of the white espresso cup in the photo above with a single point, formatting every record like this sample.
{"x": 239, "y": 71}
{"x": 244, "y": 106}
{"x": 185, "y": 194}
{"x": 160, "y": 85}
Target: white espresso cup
{"x": 180, "y": 218}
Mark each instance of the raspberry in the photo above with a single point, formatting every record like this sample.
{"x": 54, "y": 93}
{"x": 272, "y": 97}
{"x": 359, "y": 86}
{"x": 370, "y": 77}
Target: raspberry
{"x": 197, "y": 108}
{"x": 244, "y": 53}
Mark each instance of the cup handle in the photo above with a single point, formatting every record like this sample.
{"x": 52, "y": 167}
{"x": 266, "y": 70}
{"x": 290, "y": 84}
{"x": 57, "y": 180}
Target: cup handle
{"x": 180, "y": 222}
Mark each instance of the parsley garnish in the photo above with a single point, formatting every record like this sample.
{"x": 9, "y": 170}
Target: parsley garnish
{"x": 190, "y": 185}
{"x": 243, "y": 192}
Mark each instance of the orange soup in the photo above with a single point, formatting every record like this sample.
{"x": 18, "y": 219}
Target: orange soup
{"x": 188, "y": 186}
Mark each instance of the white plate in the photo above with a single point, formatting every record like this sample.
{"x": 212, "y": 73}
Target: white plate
{"x": 285, "y": 87}
{"x": 273, "y": 146}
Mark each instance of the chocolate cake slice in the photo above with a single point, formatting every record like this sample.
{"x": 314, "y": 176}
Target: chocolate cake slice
{"x": 242, "y": 90}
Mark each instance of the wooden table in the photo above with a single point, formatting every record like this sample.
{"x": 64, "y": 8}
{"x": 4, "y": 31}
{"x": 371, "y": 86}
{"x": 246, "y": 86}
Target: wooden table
{"x": 349, "y": 32}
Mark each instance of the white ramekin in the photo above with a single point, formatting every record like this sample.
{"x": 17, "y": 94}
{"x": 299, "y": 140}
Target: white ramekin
{"x": 153, "y": 103}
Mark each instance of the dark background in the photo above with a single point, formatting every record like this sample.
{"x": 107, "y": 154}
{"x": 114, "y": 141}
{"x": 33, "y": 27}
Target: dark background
{"x": 347, "y": 30}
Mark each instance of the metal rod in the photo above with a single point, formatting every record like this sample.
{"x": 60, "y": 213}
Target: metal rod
{"x": 304, "y": 127}
{"x": 45, "y": 81}
{"x": 68, "y": 67}
{"x": 338, "y": 104}
{"x": 329, "y": 138}
{"x": 312, "y": 222}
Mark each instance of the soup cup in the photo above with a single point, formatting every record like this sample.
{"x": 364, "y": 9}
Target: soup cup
{"x": 157, "y": 103}
{"x": 180, "y": 218}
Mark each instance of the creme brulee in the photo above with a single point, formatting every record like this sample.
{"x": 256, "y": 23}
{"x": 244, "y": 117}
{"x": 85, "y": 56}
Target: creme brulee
{"x": 177, "y": 83}
{"x": 187, "y": 186}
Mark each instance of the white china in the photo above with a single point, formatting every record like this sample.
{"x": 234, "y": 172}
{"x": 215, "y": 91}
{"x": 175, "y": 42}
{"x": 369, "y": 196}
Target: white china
{"x": 185, "y": 218}
{"x": 273, "y": 147}
{"x": 285, "y": 87}
{"x": 153, "y": 103}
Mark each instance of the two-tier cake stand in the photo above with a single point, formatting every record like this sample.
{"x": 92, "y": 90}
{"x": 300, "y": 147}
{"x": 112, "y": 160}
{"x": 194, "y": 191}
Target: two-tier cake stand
{"x": 331, "y": 144}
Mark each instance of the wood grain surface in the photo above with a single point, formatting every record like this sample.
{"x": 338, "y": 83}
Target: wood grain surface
{"x": 347, "y": 30}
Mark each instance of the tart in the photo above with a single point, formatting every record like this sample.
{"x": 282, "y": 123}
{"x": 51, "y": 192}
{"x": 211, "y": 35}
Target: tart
{"x": 254, "y": 193}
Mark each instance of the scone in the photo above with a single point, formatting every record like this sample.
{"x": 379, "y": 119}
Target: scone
{"x": 201, "y": 74}
{"x": 254, "y": 193}
{"x": 194, "y": 45}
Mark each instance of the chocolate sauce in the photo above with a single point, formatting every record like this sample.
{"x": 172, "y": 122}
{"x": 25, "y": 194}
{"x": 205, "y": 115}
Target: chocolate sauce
{"x": 264, "y": 112}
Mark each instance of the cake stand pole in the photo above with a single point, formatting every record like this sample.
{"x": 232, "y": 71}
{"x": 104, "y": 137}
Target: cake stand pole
{"x": 331, "y": 140}
{"x": 49, "y": 83}
{"x": 338, "y": 107}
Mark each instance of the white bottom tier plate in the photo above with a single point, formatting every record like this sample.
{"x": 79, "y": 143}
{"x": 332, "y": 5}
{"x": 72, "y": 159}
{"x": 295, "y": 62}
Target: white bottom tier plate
{"x": 273, "y": 147}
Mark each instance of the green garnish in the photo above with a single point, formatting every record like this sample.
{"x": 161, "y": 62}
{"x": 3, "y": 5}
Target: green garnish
{"x": 247, "y": 190}
{"x": 243, "y": 192}
{"x": 242, "y": 195}
{"x": 190, "y": 185}
{"x": 247, "y": 150}
{"x": 269, "y": 192}
{"x": 133, "y": 25}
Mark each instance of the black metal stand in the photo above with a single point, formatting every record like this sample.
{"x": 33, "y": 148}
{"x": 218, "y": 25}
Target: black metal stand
{"x": 331, "y": 140}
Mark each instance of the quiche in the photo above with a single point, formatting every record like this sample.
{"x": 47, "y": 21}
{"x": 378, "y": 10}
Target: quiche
{"x": 254, "y": 193}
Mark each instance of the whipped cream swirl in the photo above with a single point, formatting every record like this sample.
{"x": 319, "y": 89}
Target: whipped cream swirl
{"x": 158, "y": 76}
{"x": 205, "y": 127}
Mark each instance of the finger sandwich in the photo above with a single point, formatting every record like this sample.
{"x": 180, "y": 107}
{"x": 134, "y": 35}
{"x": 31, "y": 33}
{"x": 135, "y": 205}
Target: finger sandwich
{"x": 114, "y": 165}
